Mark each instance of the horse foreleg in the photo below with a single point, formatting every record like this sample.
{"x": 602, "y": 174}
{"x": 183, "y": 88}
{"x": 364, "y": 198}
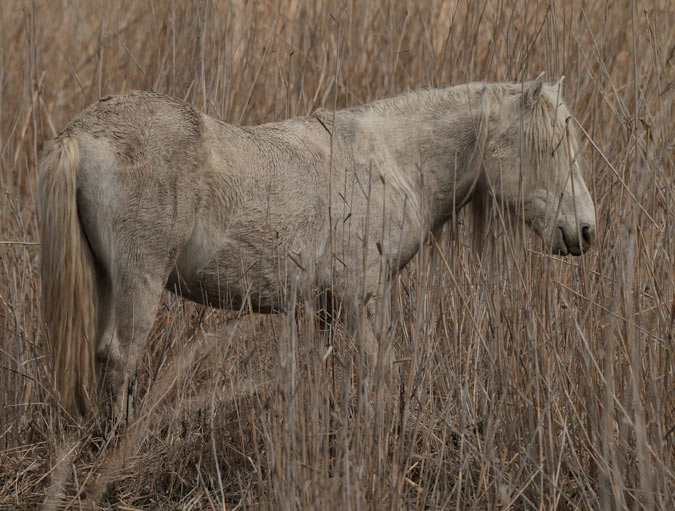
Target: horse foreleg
{"x": 368, "y": 320}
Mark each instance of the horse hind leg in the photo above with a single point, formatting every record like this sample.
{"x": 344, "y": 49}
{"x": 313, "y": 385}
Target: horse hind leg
{"x": 108, "y": 357}
{"x": 127, "y": 313}
{"x": 133, "y": 274}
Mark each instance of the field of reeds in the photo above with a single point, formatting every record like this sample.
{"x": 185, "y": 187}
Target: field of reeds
{"x": 522, "y": 380}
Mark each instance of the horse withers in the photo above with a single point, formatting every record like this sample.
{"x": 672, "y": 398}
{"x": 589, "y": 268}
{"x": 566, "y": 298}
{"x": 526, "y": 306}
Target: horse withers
{"x": 142, "y": 192}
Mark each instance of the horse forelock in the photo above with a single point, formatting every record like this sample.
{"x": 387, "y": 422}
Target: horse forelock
{"x": 549, "y": 138}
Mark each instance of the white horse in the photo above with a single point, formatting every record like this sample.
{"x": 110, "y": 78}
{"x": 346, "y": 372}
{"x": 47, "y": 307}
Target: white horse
{"x": 142, "y": 192}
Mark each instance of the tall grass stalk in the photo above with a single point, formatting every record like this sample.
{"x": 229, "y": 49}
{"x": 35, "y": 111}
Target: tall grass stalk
{"x": 521, "y": 380}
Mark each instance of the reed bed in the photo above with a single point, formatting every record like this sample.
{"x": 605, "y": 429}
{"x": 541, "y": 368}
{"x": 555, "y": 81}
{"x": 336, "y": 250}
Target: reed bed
{"x": 522, "y": 380}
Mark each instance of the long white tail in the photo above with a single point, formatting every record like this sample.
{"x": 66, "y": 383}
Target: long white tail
{"x": 67, "y": 274}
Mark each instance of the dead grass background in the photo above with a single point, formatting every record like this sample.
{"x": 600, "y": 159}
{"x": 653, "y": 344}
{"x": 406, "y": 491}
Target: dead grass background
{"x": 525, "y": 382}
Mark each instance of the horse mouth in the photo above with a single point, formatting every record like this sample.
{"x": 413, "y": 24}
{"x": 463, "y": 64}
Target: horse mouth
{"x": 563, "y": 247}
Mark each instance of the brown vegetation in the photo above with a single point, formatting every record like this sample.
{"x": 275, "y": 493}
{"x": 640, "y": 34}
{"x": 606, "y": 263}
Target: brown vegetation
{"x": 525, "y": 381}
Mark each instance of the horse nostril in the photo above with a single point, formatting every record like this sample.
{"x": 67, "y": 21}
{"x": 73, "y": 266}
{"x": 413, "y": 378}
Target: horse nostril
{"x": 587, "y": 234}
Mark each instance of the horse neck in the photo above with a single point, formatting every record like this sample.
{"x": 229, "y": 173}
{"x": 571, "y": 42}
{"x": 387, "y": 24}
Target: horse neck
{"x": 433, "y": 148}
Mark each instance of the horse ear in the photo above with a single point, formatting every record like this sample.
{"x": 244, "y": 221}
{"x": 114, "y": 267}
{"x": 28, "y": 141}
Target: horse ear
{"x": 533, "y": 91}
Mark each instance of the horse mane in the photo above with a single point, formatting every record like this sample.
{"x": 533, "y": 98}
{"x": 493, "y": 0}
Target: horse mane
{"x": 421, "y": 100}
{"x": 430, "y": 102}
{"x": 549, "y": 140}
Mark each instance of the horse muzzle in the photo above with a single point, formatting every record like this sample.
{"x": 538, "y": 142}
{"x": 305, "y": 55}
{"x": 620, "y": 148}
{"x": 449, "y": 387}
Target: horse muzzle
{"x": 573, "y": 241}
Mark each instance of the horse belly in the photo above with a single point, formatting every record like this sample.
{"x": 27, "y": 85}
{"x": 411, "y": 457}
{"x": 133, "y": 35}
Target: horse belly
{"x": 219, "y": 271}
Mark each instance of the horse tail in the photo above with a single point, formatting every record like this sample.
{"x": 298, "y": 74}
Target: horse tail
{"x": 67, "y": 276}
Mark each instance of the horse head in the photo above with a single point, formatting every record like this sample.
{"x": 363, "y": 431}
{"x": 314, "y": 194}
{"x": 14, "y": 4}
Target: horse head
{"x": 532, "y": 166}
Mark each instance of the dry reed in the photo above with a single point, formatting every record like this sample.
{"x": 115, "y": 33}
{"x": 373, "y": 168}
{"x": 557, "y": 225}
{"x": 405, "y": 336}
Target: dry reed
{"x": 522, "y": 381}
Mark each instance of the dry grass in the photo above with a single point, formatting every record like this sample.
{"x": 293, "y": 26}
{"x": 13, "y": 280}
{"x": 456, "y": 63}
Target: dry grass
{"x": 525, "y": 382}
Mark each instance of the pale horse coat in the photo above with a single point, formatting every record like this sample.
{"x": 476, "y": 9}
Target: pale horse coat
{"x": 142, "y": 192}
